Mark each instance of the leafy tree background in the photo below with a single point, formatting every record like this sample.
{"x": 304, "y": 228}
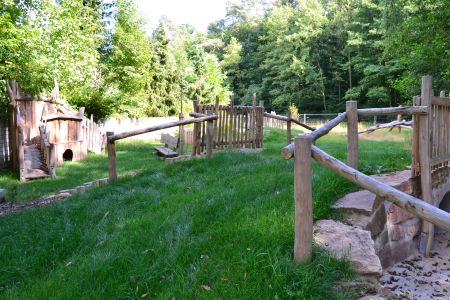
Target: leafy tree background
{"x": 309, "y": 54}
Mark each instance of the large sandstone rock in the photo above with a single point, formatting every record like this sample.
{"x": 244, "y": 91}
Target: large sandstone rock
{"x": 358, "y": 202}
{"x": 350, "y": 242}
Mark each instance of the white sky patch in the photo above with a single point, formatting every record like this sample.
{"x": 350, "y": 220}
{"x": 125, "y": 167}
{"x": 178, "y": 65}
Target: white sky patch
{"x": 198, "y": 13}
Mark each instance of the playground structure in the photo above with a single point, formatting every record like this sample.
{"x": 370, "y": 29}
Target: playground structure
{"x": 45, "y": 132}
{"x": 430, "y": 175}
{"x": 216, "y": 127}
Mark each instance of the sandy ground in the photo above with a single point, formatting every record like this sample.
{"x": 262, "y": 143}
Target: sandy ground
{"x": 422, "y": 278}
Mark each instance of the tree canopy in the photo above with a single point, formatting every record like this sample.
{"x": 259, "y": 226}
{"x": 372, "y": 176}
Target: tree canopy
{"x": 309, "y": 54}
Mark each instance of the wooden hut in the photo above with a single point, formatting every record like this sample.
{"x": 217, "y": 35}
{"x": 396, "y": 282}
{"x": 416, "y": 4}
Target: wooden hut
{"x": 47, "y": 131}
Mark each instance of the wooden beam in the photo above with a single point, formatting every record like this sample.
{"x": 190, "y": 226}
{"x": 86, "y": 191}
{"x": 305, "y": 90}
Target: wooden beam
{"x": 288, "y": 151}
{"x": 352, "y": 134}
{"x": 425, "y": 158}
{"x": 405, "y": 110}
{"x": 209, "y": 136}
{"x": 288, "y": 129}
{"x": 111, "y": 157}
{"x": 131, "y": 133}
{"x": 407, "y": 202}
{"x": 303, "y": 199}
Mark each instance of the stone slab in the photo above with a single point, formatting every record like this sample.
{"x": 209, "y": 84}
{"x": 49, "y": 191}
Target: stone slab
{"x": 349, "y": 242}
{"x": 358, "y": 202}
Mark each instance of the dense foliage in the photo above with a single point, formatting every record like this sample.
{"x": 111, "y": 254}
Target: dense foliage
{"x": 311, "y": 54}
{"x": 316, "y": 54}
{"x": 103, "y": 59}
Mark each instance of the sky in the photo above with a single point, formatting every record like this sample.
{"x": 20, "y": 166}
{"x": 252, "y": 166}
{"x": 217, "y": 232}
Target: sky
{"x": 198, "y": 13}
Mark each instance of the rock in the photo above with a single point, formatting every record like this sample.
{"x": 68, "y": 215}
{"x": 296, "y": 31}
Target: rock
{"x": 70, "y": 191}
{"x": 349, "y": 242}
{"x": 413, "y": 227}
{"x": 358, "y": 202}
{"x": 102, "y": 181}
{"x": 396, "y": 232}
{"x": 372, "y": 297}
{"x": 378, "y": 220}
{"x": 2, "y": 195}
{"x": 63, "y": 195}
{"x": 397, "y": 215}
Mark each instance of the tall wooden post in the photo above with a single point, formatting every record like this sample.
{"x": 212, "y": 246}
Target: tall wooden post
{"x": 181, "y": 135}
{"x": 52, "y": 161}
{"x": 427, "y": 236}
{"x": 111, "y": 157}
{"x": 209, "y": 136}
{"x": 352, "y": 134}
{"x": 288, "y": 129}
{"x": 399, "y": 119}
{"x": 254, "y": 129}
{"x": 260, "y": 126}
{"x": 195, "y": 133}
{"x": 231, "y": 123}
{"x": 303, "y": 199}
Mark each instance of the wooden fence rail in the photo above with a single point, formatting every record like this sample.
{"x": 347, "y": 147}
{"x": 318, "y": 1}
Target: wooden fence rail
{"x": 431, "y": 151}
{"x": 112, "y": 138}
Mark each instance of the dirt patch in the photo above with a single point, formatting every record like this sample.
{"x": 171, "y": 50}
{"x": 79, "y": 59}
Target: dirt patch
{"x": 421, "y": 277}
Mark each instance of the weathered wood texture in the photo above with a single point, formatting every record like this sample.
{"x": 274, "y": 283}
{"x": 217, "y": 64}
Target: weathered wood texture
{"x": 409, "y": 203}
{"x": 5, "y": 145}
{"x": 235, "y": 127}
{"x": 352, "y": 134}
{"x": 404, "y": 110}
{"x": 288, "y": 151}
{"x": 303, "y": 199}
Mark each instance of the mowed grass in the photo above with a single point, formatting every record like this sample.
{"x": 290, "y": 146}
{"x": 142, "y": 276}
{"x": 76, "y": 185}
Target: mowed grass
{"x": 199, "y": 229}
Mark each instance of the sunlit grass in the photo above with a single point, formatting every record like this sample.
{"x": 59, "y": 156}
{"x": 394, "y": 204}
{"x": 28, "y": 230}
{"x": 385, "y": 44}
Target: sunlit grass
{"x": 198, "y": 229}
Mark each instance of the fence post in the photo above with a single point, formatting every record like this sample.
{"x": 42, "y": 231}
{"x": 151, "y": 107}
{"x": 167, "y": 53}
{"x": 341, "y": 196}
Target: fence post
{"x": 181, "y": 135}
{"x": 209, "y": 136}
{"x": 260, "y": 124}
{"x": 288, "y": 129}
{"x": 427, "y": 235}
{"x": 352, "y": 134}
{"x": 111, "y": 157}
{"x": 195, "y": 132}
{"x": 399, "y": 119}
{"x": 303, "y": 199}
{"x": 51, "y": 161}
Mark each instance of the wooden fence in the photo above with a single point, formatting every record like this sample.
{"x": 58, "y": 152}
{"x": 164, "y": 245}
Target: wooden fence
{"x": 5, "y": 146}
{"x": 430, "y": 151}
{"x": 235, "y": 127}
{"x": 431, "y": 144}
{"x": 274, "y": 123}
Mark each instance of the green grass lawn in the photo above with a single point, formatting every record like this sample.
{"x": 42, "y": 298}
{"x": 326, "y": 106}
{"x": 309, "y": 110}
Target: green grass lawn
{"x": 199, "y": 229}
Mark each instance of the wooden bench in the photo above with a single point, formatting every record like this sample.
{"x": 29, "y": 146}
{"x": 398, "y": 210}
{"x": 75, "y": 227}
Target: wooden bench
{"x": 170, "y": 146}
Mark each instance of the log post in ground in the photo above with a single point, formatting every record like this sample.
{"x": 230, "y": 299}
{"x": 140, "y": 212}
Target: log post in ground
{"x": 210, "y": 136}
{"x": 303, "y": 199}
{"x": 427, "y": 236}
{"x": 181, "y": 135}
{"x": 195, "y": 132}
{"x": 111, "y": 158}
{"x": 288, "y": 129}
{"x": 352, "y": 134}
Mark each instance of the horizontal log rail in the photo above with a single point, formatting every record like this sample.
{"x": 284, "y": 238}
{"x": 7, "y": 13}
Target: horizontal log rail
{"x": 112, "y": 138}
{"x": 197, "y": 115}
{"x": 286, "y": 119}
{"x": 409, "y": 203}
{"x": 441, "y": 101}
{"x": 128, "y": 134}
{"x": 385, "y": 111}
{"x": 288, "y": 151}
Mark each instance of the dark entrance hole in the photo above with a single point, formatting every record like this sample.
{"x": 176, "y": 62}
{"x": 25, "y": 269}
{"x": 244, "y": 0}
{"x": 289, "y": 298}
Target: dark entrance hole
{"x": 68, "y": 155}
{"x": 445, "y": 205}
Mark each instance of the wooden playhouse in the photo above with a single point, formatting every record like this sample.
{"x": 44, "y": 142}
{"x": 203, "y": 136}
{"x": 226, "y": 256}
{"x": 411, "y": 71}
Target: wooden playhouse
{"x": 47, "y": 131}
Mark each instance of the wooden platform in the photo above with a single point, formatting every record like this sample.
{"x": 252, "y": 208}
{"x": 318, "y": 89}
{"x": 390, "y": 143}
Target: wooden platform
{"x": 165, "y": 152}
{"x": 34, "y": 163}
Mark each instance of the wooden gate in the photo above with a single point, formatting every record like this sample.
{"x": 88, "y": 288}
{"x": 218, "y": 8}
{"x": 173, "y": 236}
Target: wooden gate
{"x": 236, "y": 127}
{"x": 431, "y": 151}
